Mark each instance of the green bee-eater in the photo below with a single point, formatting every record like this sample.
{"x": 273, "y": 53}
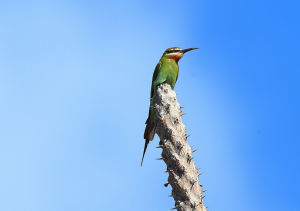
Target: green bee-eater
{"x": 166, "y": 71}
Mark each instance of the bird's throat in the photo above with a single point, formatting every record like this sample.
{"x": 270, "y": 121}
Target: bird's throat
{"x": 176, "y": 57}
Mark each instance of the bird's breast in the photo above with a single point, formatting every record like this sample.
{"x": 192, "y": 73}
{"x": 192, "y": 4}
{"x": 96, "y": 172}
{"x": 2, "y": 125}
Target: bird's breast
{"x": 172, "y": 76}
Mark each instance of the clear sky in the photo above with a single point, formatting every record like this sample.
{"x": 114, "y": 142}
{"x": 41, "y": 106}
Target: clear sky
{"x": 74, "y": 88}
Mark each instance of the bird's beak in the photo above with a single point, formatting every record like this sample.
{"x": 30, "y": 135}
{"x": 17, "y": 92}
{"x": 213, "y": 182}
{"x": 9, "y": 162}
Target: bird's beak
{"x": 188, "y": 49}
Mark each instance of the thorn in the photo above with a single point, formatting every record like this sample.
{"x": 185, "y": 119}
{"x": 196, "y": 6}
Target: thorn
{"x": 179, "y": 147}
{"x": 176, "y": 121}
{"x": 161, "y": 142}
{"x": 170, "y": 196}
{"x": 159, "y": 158}
{"x": 189, "y": 158}
{"x": 166, "y": 185}
{"x": 174, "y": 208}
{"x": 198, "y": 169}
{"x": 193, "y": 183}
{"x": 194, "y": 150}
{"x": 181, "y": 107}
{"x": 204, "y": 191}
{"x": 166, "y": 170}
{"x": 159, "y": 146}
{"x": 182, "y": 114}
{"x": 186, "y": 136}
{"x": 200, "y": 174}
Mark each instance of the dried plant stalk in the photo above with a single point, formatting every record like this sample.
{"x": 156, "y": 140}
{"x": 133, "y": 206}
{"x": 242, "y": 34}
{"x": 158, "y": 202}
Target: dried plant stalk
{"x": 176, "y": 152}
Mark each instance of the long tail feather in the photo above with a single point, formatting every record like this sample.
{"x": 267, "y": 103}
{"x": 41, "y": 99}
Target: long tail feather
{"x": 148, "y": 135}
{"x": 145, "y": 148}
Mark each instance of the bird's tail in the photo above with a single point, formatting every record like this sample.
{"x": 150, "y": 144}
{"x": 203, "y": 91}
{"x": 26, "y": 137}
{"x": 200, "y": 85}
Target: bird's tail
{"x": 145, "y": 148}
{"x": 148, "y": 134}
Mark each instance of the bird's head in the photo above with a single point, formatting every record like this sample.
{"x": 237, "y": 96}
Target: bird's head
{"x": 176, "y": 53}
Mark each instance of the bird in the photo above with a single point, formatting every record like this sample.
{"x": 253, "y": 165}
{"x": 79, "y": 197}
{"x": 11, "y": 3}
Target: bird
{"x": 166, "y": 71}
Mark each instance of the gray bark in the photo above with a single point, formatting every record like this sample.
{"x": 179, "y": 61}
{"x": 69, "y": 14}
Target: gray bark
{"x": 176, "y": 152}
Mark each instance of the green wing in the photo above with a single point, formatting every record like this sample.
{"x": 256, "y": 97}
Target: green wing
{"x": 176, "y": 77}
{"x": 154, "y": 77}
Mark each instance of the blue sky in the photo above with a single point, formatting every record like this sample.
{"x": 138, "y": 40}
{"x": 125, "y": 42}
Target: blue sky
{"x": 74, "y": 87}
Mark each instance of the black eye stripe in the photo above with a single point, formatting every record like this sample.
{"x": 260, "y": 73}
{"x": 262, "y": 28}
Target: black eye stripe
{"x": 173, "y": 51}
